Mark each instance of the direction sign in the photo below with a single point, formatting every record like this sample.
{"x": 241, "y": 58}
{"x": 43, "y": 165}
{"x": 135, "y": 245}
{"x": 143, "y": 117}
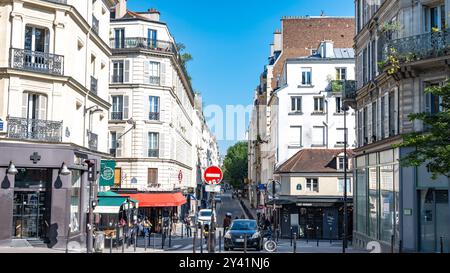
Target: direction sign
{"x": 213, "y": 188}
{"x": 213, "y": 175}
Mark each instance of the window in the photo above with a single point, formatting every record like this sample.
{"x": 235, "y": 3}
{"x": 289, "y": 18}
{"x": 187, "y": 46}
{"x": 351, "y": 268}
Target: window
{"x": 312, "y": 184}
{"x": 341, "y": 161}
{"x": 340, "y": 136}
{"x": 341, "y": 185}
{"x": 318, "y": 105}
{"x": 118, "y": 71}
{"x": 434, "y": 17}
{"x": 338, "y": 105}
{"x": 433, "y": 103}
{"x": 119, "y": 38}
{"x": 75, "y": 199}
{"x": 153, "y": 108}
{"x": 296, "y": 104}
{"x": 153, "y": 73}
{"x": 341, "y": 74}
{"x": 153, "y": 145}
{"x": 373, "y": 203}
{"x": 34, "y": 106}
{"x": 152, "y": 38}
{"x": 299, "y": 187}
{"x": 115, "y": 144}
{"x": 318, "y": 136}
{"x": 365, "y": 127}
{"x": 295, "y": 135}
{"x": 117, "y": 108}
{"x": 36, "y": 39}
{"x": 306, "y": 76}
{"x": 387, "y": 215}
{"x": 374, "y": 121}
{"x": 392, "y": 129}
{"x": 152, "y": 177}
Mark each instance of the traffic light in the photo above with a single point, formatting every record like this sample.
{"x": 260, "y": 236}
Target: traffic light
{"x": 92, "y": 170}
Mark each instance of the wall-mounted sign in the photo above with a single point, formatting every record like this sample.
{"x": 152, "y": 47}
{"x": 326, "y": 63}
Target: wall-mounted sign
{"x": 107, "y": 172}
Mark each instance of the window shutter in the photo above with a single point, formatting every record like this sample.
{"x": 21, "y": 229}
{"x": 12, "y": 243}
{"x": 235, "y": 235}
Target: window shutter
{"x": 369, "y": 123}
{"x": 125, "y": 107}
{"x": 126, "y": 71}
{"x": 386, "y": 115}
{"x": 47, "y": 41}
{"x": 160, "y": 145}
{"x": 42, "y": 107}
{"x": 24, "y": 105}
{"x": 359, "y": 77}
{"x": 145, "y": 144}
{"x": 119, "y": 143}
{"x": 147, "y": 72}
{"x": 147, "y": 107}
{"x": 163, "y": 74}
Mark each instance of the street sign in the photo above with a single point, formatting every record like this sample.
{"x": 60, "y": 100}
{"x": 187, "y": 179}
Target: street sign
{"x": 180, "y": 176}
{"x": 213, "y": 175}
{"x": 213, "y": 188}
{"x": 107, "y": 172}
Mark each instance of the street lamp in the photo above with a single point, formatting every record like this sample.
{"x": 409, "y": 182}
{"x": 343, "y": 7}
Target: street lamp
{"x": 345, "y": 223}
{"x": 12, "y": 170}
{"x": 64, "y": 170}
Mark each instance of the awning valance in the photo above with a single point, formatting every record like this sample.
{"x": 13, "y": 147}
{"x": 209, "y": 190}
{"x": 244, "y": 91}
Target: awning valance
{"x": 110, "y": 202}
{"x": 155, "y": 199}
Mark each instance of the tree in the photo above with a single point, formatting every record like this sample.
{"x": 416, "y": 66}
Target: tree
{"x": 184, "y": 58}
{"x": 432, "y": 146}
{"x": 235, "y": 164}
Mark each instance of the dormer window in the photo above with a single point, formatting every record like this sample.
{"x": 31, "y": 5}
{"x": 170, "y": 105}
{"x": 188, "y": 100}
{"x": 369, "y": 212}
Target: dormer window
{"x": 340, "y": 160}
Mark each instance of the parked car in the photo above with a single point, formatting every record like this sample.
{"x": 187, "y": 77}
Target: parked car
{"x": 204, "y": 217}
{"x": 239, "y": 229}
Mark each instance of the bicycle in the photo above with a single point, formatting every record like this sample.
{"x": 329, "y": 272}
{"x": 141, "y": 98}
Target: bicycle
{"x": 270, "y": 245}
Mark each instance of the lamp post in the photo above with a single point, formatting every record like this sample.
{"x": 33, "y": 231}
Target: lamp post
{"x": 344, "y": 239}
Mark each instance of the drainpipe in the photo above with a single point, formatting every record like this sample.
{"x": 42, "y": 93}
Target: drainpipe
{"x": 326, "y": 122}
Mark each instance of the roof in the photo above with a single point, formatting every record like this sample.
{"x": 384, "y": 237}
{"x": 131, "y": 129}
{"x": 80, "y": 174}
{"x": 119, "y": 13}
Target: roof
{"x": 154, "y": 199}
{"x": 312, "y": 161}
{"x": 339, "y": 53}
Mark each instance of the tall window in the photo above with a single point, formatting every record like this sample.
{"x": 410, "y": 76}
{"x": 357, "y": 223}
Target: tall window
{"x": 341, "y": 162}
{"x": 154, "y": 76}
{"x": 36, "y": 39}
{"x": 318, "y": 136}
{"x": 318, "y": 104}
{"x": 34, "y": 106}
{"x": 153, "y": 108}
{"x": 296, "y": 104}
{"x": 392, "y": 108}
{"x": 295, "y": 135}
{"x": 119, "y": 37}
{"x": 338, "y": 105}
{"x": 117, "y": 108}
{"x": 312, "y": 184}
{"x": 374, "y": 121}
{"x": 153, "y": 144}
{"x": 434, "y": 17}
{"x": 75, "y": 198}
{"x": 365, "y": 126}
{"x": 383, "y": 117}
{"x": 340, "y": 136}
{"x": 118, "y": 71}
{"x": 306, "y": 76}
{"x": 152, "y": 38}
{"x": 114, "y": 145}
{"x": 341, "y": 185}
{"x": 341, "y": 74}
{"x": 152, "y": 176}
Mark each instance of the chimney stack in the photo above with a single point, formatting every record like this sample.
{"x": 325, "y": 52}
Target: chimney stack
{"x": 151, "y": 14}
{"x": 121, "y": 8}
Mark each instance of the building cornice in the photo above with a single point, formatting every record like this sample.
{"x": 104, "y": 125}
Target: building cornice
{"x": 157, "y": 160}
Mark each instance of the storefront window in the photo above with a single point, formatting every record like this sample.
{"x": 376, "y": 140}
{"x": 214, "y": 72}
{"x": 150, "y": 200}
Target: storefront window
{"x": 75, "y": 202}
{"x": 397, "y": 204}
{"x": 361, "y": 200}
{"x": 373, "y": 203}
{"x": 387, "y": 217}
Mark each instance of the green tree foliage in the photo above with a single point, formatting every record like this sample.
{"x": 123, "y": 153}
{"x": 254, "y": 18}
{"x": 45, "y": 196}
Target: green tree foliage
{"x": 184, "y": 58}
{"x": 432, "y": 146}
{"x": 235, "y": 164}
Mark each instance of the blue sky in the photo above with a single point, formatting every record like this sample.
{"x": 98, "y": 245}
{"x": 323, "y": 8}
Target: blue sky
{"x": 229, "y": 41}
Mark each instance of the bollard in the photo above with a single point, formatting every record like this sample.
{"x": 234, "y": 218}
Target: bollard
{"x": 306, "y": 235}
{"x": 123, "y": 243}
{"x": 170, "y": 238}
{"x": 220, "y": 240}
{"x": 145, "y": 241}
{"x": 442, "y": 245}
{"x": 245, "y": 243}
{"x": 400, "y": 246}
{"x": 331, "y": 239}
{"x": 291, "y": 235}
{"x": 392, "y": 243}
{"x": 295, "y": 242}
{"x": 182, "y": 231}
{"x": 278, "y": 235}
{"x": 317, "y": 241}
{"x": 163, "y": 238}
{"x": 201, "y": 239}
{"x": 154, "y": 240}
{"x": 110, "y": 244}
{"x": 193, "y": 241}
{"x": 135, "y": 241}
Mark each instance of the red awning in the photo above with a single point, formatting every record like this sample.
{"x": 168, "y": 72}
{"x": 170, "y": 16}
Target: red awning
{"x": 158, "y": 199}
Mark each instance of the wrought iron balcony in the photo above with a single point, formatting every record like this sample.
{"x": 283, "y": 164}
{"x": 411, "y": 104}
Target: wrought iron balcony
{"x": 37, "y": 61}
{"x": 143, "y": 43}
{"x": 153, "y": 152}
{"x": 153, "y": 116}
{"x": 117, "y": 79}
{"x": 349, "y": 90}
{"x": 112, "y": 151}
{"x": 35, "y": 129}
{"x": 95, "y": 24}
{"x": 117, "y": 115}
{"x": 155, "y": 80}
{"x": 94, "y": 83}
{"x": 92, "y": 141}
{"x": 418, "y": 47}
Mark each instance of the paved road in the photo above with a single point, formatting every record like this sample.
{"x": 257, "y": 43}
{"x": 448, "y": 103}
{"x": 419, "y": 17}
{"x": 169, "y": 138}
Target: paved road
{"x": 228, "y": 205}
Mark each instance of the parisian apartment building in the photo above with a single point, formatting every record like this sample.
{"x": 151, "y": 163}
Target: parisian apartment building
{"x": 157, "y": 132}
{"x": 395, "y": 205}
{"x": 53, "y": 115}
{"x": 295, "y": 106}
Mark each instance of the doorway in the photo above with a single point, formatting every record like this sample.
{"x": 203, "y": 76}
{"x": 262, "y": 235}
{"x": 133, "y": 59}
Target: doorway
{"x": 434, "y": 219}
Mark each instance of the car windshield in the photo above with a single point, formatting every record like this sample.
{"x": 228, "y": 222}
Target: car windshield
{"x": 205, "y": 213}
{"x": 243, "y": 225}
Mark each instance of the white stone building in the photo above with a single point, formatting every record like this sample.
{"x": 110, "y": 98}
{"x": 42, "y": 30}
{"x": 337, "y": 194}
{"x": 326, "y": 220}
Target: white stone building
{"x": 54, "y": 69}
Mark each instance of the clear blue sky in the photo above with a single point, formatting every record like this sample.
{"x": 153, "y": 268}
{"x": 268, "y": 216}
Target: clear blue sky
{"x": 229, "y": 40}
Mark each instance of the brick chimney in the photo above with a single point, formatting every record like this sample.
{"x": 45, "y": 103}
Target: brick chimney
{"x": 327, "y": 49}
{"x": 151, "y": 14}
{"x": 121, "y": 8}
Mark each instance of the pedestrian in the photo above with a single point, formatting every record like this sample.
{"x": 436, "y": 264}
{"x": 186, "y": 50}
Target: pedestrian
{"x": 174, "y": 223}
{"x": 226, "y": 222}
{"x": 147, "y": 225}
{"x": 187, "y": 222}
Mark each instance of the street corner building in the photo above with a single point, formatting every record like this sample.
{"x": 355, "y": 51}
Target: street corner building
{"x": 311, "y": 202}
{"x": 401, "y": 49}
{"x": 54, "y": 103}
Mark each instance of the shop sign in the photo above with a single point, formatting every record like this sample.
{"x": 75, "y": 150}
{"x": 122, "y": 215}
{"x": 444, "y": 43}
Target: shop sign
{"x": 107, "y": 172}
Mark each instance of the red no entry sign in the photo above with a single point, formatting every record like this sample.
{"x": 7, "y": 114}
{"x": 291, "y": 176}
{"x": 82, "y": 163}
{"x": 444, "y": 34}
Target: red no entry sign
{"x": 213, "y": 175}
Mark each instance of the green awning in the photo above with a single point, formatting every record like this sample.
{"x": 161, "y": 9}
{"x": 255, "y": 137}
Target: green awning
{"x": 113, "y": 194}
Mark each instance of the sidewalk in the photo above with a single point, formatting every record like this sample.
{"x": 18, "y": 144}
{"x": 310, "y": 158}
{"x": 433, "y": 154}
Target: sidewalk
{"x": 247, "y": 208}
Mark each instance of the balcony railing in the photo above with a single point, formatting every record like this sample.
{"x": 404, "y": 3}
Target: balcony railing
{"x": 153, "y": 116}
{"x": 144, "y": 43}
{"x": 418, "y": 47}
{"x": 95, "y": 24}
{"x": 35, "y": 129}
{"x": 94, "y": 83}
{"x": 92, "y": 141}
{"x": 155, "y": 80}
{"x": 117, "y": 115}
{"x": 349, "y": 90}
{"x": 153, "y": 152}
{"x": 117, "y": 79}
{"x": 37, "y": 61}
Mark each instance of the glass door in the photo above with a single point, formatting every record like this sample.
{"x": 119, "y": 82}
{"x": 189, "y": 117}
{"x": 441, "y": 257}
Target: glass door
{"x": 28, "y": 214}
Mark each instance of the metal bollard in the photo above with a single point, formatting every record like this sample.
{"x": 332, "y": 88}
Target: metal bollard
{"x": 123, "y": 244}
{"x": 135, "y": 241}
{"x": 392, "y": 243}
{"x": 295, "y": 242}
{"x": 317, "y": 241}
{"x": 245, "y": 243}
{"x": 163, "y": 239}
{"x": 110, "y": 244}
{"x": 145, "y": 241}
{"x": 291, "y": 235}
{"x": 170, "y": 238}
{"x": 442, "y": 245}
{"x": 220, "y": 240}
{"x": 400, "y": 246}
{"x": 331, "y": 239}
{"x": 201, "y": 239}
{"x": 193, "y": 241}
{"x": 182, "y": 231}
